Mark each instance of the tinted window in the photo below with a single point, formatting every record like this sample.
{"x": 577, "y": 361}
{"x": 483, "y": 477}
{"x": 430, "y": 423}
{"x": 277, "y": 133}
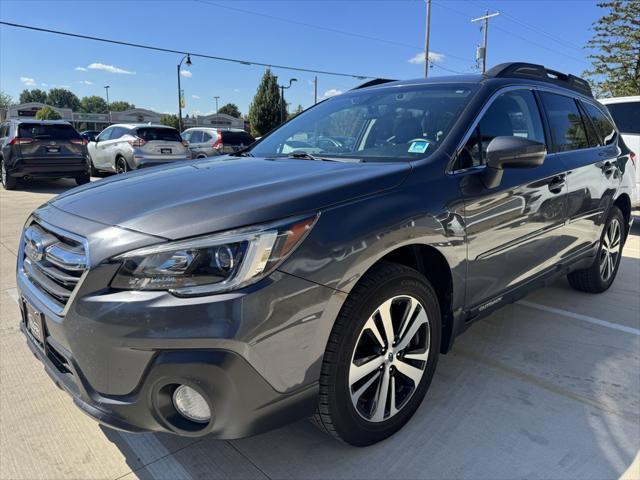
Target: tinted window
{"x": 150, "y": 134}
{"x": 398, "y": 123}
{"x": 196, "y": 137}
{"x": 565, "y": 121}
{"x": 627, "y": 116}
{"x": 592, "y": 136}
{"x": 105, "y": 134}
{"x": 206, "y": 137}
{"x": 4, "y": 130}
{"x": 237, "y": 138}
{"x": 47, "y": 131}
{"x": 512, "y": 114}
{"x": 605, "y": 128}
{"x": 119, "y": 132}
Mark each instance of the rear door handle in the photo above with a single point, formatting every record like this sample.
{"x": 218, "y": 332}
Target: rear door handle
{"x": 557, "y": 183}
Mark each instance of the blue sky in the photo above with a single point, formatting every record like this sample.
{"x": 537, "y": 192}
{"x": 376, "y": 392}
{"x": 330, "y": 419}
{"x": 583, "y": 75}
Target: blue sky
{"x": 381, "y": 38}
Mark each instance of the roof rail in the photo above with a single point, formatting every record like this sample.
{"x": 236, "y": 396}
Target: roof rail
{"x": 540, "y": 72}
{"x": 372, "y": 83}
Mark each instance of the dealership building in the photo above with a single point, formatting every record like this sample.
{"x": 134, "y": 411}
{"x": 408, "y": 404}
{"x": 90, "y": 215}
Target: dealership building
{"x": 98, "y": 121}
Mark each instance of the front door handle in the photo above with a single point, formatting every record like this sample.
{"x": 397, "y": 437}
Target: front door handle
{"x": 557, "y": 183}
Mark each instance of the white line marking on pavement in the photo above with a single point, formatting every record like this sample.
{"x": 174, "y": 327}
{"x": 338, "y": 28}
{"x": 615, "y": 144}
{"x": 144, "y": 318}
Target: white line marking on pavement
{"x": 578, "y": 316}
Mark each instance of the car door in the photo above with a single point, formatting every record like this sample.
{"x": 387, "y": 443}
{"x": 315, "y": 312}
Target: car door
{"x": 592, "y": 175}
{"x": 514, "y": 230}
{"x": 97, "y": 149}
{"x": 196, "y": 144}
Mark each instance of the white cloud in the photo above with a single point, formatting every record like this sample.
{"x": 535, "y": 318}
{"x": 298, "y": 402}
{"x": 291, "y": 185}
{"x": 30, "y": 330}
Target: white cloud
{"x": 29, "y": 82}
{"x": 236, "y": 90}
{"x": 86, "y": 82}
{"x": 109, "y": 68}
{"x": 186, "y": 73}
{"x": 418, "y": 58}
{"x": 80, "y": 69}
{"x": 44, "y": 84}
{"x": 332, "y": 92}
{"x": 196, "y": 97}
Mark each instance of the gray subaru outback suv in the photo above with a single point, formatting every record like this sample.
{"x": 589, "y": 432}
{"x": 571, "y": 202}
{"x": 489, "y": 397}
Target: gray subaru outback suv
{"x": 230, "y": 296}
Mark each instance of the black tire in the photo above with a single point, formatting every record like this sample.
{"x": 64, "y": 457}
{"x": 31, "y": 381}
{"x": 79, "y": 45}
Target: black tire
{"x": 337, "y": 414}
{"x": 83, "y": 179}
{"x": 93, "y": 170}
{"x": 8, "y": 182}
{"x": 594, "y": 279}
{"x": 121, "y": 165}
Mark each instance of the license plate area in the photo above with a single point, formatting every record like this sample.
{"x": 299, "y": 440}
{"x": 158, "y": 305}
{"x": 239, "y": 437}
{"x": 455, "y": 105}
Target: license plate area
{"x": 34, "y": 321}
{"x": 53, "y": 149}
{"x": 165, "y": 151}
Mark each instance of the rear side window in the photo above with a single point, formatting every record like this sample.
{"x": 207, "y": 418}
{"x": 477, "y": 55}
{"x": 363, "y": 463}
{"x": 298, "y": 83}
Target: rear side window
{"x": 568, "y": 131}
{"x": 196, "y": 137}
{"x": 512, "y": 114}
{"x": 47, "y": 131}
{"x": 149, "y": 134}
{"x": 206, "y": 137}
{"x": 627, "y": 116}
{"x": 605, "y": 128}
{"x": 237, "y": 138}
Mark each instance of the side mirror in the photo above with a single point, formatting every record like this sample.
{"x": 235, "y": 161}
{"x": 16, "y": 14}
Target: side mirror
{"x": 511, "y": 152}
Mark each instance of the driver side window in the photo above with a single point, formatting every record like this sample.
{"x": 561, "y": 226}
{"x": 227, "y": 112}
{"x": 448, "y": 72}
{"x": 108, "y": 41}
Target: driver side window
{"x": 105, "y": 135}
{"x": 514, "y": 113}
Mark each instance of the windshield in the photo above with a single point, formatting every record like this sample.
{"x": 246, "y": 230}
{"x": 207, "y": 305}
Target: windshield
{"x": 385, "y": 124}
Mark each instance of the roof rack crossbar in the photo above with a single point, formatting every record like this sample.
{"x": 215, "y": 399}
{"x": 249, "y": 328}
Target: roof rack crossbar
{"x": 540, "y": 72}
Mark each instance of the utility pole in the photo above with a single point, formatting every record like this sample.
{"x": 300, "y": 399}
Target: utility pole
{"x": 483, "y": 50}
{"x": 106, "y": 89}
{"x": 315, "y": 90}
{"x": 217, "y": 120}
{"x": 426, "y": 40}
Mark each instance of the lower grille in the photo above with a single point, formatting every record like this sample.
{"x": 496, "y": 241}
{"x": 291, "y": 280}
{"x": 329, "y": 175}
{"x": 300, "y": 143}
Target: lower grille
{"x": 53, "y": 261}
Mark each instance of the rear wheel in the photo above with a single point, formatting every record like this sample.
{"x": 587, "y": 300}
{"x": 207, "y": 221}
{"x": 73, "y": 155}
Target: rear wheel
{"x": 600, "y": 275}
{"x": 8, "y": 182}
{"x": 83, "y": 179}
{"x": 94, "y": 171}
{"x": 121, "y": 165}
{"x": 381, "y": 356}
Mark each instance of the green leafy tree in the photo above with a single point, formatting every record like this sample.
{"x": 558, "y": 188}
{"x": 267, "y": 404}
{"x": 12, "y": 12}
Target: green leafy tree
{"x": 35, "y": 95}
{"x": 47, "y": 113}
{"x": 230, "y": 109}
{"x": 616, "y": 64}
{"x": 93, "y": 104}
{"x": 170, "y": 121}
{"x": 264, "y": 112}
{"x": 63, "y": 98}
{"x": 121, "y": 106}
{"x": 5, "y": 100}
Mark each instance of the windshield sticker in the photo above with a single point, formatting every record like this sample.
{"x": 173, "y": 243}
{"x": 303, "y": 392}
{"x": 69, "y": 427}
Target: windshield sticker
{"x": 419, "y": 146}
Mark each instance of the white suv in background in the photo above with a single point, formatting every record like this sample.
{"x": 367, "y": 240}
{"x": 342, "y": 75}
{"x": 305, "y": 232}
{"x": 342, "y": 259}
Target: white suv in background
{"x": 626, "y": 113}
{"x": 123, "y": 147}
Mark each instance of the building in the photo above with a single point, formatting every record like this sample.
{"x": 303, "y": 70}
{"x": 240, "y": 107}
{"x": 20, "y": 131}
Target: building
{"x": 215, "y": 120}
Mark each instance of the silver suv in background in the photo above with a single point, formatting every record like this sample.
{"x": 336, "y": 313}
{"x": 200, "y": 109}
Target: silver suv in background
{"x": 123, "y": 147}
{"x": 206, "y": 142}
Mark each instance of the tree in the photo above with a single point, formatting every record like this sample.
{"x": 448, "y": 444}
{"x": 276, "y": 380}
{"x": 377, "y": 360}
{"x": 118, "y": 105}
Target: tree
{"x": 93, "y": 104}
{"x": 616, "y": 65}
{"x": 5, "y": 100}
{"x": 297, "y": 111}
{"x": 36, "y": 95}
{"x": 170, "y": 121}
{"x": 121, "y": 106}
{"x": 47, "y": 113}
{"x": 264, "y": 112}
{"x": 63, "y": 98}
{"x": 230, "y": 109}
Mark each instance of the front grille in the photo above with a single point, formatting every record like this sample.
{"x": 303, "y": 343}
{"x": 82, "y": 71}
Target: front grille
{"x": 53, "y": 262}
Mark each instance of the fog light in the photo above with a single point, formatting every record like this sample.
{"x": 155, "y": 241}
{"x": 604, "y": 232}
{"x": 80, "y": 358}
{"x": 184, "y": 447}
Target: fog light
{"x": 190, "y": 404}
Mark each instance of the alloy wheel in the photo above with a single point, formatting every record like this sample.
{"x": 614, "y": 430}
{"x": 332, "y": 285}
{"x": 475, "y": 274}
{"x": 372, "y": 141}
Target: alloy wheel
{"x": 389, "y": 358}
{"x": 610, "y": 249}
{"x": 121, "y": 166}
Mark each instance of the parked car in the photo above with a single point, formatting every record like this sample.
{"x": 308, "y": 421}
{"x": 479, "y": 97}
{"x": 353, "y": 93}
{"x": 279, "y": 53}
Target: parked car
{"x": 41, "y": 149}
{"x": 206, "y": 142}
{"x": 227, "y": 298}
{"x": 123, "y": 147}
{"x": 626, "y": 114}
{"x": 90, "y": 135}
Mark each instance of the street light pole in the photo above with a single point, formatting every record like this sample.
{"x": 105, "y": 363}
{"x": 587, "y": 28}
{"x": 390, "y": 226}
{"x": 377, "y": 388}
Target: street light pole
{"x": 106, "y": 88}
{"x": 217, "y": 119}
{"x": 426, "y": 40}
{"x": 483, "y": 54}
{"x": 282, "y": 104}
{"x": 188, "y": 58}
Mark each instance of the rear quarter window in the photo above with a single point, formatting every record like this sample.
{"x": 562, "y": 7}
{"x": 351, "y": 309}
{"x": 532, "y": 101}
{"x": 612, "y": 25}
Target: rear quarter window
{"x": 48, "y": 132}
{"x": 150, "y": 134}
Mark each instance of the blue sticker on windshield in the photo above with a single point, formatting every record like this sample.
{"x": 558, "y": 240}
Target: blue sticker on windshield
{"x": 419, "y": 146}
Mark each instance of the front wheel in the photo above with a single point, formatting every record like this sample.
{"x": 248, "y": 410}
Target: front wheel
{"x": 600, "y": 275}
{"x": 381, "y": 356}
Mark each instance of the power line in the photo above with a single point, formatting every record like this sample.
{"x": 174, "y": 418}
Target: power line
{"x": 184, "y": 52}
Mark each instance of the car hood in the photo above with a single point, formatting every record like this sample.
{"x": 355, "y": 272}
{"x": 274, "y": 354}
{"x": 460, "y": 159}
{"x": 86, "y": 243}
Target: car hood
{"x": 194, "y": 198}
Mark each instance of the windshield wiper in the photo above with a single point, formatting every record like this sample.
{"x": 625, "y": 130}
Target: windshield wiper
{"x": 303, "y": 155}
{"x": 308, "y": 156}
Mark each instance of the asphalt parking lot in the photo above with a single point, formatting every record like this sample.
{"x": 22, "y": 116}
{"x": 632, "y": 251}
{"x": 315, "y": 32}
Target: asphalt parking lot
{"x": 548, "y": 388}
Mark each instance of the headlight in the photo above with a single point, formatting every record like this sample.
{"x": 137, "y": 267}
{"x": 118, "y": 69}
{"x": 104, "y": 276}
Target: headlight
{"x": 214, "y": 263}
